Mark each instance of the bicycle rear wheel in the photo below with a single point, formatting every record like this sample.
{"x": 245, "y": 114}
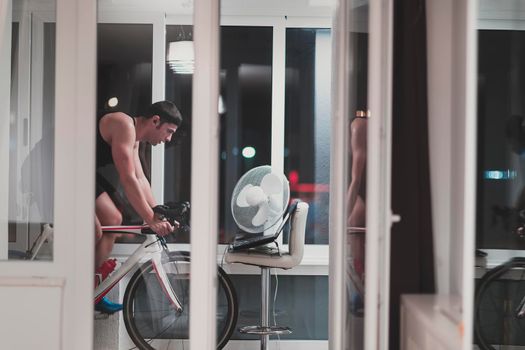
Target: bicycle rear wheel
{"x": 153, "y": 323}
{"x": 498, "y": 297}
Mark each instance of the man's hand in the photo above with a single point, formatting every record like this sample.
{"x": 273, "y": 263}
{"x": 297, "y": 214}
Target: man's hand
{"x": 162, "y": 227}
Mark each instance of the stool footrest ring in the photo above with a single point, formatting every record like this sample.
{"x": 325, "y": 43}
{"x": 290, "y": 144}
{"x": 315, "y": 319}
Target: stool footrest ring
{"x": 260, "y": 330}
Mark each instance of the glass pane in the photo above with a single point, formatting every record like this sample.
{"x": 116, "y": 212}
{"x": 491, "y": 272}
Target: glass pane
{"x": 500, "y": 224}
{"x": 246, "y": 120}
{"x": 357, "y": 174}
{"x": 31, "y": 133}
{"x": 307, "y": 116}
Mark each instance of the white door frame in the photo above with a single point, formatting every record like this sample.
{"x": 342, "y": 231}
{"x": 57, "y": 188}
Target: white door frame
{"x": 204, "y": 176}
{"x": 72, "y": 267}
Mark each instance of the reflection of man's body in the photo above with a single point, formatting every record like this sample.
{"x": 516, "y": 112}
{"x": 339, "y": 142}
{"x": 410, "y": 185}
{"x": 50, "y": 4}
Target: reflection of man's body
{"x": 356, "y": 195}
{"x": 118, "y": 138}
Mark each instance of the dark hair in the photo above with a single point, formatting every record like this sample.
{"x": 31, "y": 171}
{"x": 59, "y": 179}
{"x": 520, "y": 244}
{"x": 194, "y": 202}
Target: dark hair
{"x": 166, "y": 110}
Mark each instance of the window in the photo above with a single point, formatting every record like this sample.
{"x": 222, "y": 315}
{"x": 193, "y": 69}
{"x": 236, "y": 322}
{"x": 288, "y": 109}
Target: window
{"x": 124, "y": 83}
{"x": 245, "y": 112}
{"x": 307, "y": 134}
{"x": 31, "y": 134}
{"x": 501, "y": 84}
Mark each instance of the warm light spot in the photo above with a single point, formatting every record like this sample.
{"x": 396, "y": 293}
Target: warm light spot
{"x": 113, "y": 102}
{"x": 248, "y": 152}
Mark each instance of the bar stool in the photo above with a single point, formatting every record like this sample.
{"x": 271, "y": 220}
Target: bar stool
{"x": 273, "y": 258}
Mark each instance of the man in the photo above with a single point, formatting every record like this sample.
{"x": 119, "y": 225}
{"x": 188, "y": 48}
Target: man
{"x": 356, "y": 206}
{"x": 118, "y": 138}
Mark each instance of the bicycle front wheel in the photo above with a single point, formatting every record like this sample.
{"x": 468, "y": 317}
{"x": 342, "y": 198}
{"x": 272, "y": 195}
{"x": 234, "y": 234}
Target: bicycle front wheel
{"x": 499, "y": 297}
{"x": 153, "y": 323}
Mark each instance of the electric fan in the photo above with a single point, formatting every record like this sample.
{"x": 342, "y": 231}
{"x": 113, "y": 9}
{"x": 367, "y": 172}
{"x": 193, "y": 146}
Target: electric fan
{"x": 259, "y": 199}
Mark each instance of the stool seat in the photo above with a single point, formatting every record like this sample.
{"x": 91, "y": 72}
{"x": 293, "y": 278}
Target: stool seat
{"x": 264, "y": 256}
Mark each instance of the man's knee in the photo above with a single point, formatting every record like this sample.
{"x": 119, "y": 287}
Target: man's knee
{"x": 114, "y": 219}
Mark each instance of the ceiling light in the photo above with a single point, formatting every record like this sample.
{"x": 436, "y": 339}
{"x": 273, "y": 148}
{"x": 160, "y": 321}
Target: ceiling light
{"x": 180, "y": 57}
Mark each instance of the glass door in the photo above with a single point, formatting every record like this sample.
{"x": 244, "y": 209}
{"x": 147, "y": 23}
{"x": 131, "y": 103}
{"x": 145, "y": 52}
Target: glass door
{"x": 360, "y": 202}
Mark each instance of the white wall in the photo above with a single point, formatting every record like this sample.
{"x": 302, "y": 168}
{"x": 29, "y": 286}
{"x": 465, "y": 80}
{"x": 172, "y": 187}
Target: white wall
{"x": 5, "y": 82}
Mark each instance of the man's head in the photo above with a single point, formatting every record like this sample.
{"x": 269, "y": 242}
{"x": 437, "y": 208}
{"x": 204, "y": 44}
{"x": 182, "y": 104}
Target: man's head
{"x": 165, "y": 118}
{"x": 167, "y": 112}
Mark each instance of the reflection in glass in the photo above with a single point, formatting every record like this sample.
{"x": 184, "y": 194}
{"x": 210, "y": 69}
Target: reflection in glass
{"x": 356, "y": 189}
{"x": 31, "y": 143}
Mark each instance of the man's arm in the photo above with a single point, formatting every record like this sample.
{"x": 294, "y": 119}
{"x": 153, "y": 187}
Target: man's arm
{"x": 141, "y": 177}
{"x": 122, "y": 149}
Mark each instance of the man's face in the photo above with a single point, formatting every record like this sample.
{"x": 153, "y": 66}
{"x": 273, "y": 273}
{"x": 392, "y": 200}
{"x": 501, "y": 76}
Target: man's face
{"x": 162, "y": 132}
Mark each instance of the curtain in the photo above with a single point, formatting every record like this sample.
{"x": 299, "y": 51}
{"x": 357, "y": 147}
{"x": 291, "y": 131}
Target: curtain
{"x": 412, "y": 265}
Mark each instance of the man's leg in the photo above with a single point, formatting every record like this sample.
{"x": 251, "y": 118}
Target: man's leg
{"x": 107, "y": 214}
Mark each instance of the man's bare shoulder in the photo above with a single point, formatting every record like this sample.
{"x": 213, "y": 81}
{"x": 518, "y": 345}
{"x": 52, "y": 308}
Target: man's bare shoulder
{"x": 117, "y": 118}
{"x": 116, "y": 123}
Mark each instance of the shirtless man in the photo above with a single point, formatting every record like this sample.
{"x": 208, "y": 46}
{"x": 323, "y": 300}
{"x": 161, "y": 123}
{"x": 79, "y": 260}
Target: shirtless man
{"x": 118, "y": 138}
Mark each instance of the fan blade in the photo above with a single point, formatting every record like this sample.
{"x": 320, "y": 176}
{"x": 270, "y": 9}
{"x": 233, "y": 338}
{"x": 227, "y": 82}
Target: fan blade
{"x": 275, "y": 202}
{"x": 271, "y": 184}
{"x": 262, "y": 215}
{"x": 241, "y": 197}
{"x": 255, "y": 196}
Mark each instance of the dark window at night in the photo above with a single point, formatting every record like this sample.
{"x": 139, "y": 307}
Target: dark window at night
{"x": 501, "y": 112}
{"x": 246, "y": 106}
{"x": 246, "y": 88}
{"x": 124, "y": 71}
{"x": 307, "y": 130}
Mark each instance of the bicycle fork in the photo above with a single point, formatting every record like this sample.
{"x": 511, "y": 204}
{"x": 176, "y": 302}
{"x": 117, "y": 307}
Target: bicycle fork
{"x": 164, "y": 282}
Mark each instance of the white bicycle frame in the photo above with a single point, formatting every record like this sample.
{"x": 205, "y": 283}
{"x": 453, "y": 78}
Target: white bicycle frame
{"x": 151, "y": 249}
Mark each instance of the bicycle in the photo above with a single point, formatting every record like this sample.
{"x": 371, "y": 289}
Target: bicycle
{"x": 156, "y": 299}
{"x": 500, "y": 306}
{"x": 45, "y": 235}
{"x": 499, "y": 309}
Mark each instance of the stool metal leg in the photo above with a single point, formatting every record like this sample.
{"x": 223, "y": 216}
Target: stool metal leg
{"x": 265, "y": 305}
{"x": 264, "y": 329}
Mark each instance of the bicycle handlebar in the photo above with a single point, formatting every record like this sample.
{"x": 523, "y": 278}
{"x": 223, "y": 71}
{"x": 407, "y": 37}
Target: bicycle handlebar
{"x": 175, "y": 212}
